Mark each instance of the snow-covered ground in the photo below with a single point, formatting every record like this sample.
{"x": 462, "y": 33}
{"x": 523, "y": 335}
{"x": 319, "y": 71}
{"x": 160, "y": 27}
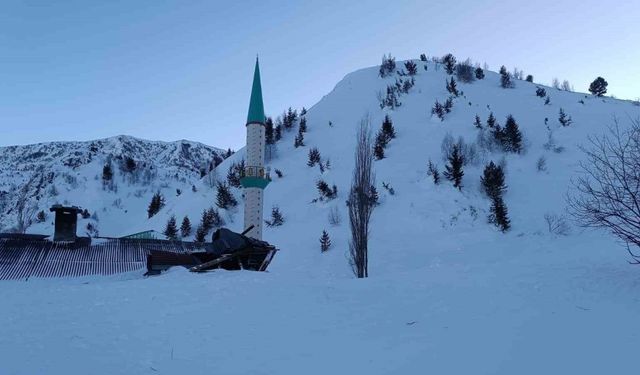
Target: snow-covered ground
{"x": 447, "y": 293}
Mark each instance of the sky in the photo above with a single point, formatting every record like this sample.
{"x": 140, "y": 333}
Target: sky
{"x": 170, "y": 70}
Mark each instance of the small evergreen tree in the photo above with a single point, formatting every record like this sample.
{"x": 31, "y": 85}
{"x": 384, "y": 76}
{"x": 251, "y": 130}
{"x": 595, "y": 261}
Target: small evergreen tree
{"x": 423, "y": 57}
{"x": 201, "y": 234}
{"x": 269, "y": 136}
{"x": 325, "y": 241}
{"x": 387, "y": 128}
{"x": 388, "y": 66}
{"x": 276, "y": 218}
{"x": 378, "y": 148}
{"x": 477, "y": 122}
{"x": 479, "y": 73}
{"x": 438, "y": 110}
{"x": 448, "y": 105}
{"x": 452, "y": 87}
{"x": 41, "y": 217}
{"x": 233, "y": 177}
{"x": 314, "y": 157}
{"x": 298, "y": 141}
{"x": 156, "y": 204}
{"x": 325, "y": 191}
{"x": 432, "y": 171}
{"x": 492, "y": 181}
{"x": 224, "y": 197}
{"x": 564, "y": 119}
{"x": 505, "y": 78}
{"x": 277, "y": 133}
{"x": 598, "y": 87}
{"x": 302, "y": 128}
{"x": 449, "y": 62}
{"x": 512, "y": 136}
{"x": 491, "y": 121}
{"x": 499, "y": 215}
{"x": 171, "y": 230}
{"x": 185, "y": 227}
{"x": 453, "y": 171}
{"x": 529, "y": 78}
{"x": 547, "y": 101}
{"x": 412, "y": 68}
{"x": 541, "y": 92}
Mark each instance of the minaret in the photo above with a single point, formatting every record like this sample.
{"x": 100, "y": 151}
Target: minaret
{"x": 254, "y": 179}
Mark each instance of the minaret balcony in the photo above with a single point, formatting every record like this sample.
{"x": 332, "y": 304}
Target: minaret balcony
{"x": 253, "y": 176}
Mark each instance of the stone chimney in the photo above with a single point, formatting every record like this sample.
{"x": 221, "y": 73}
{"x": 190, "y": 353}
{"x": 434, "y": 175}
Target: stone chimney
{"x": 66, "y": 222}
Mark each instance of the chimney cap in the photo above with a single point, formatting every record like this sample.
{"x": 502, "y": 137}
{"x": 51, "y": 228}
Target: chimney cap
{"x": 66, "y": 209}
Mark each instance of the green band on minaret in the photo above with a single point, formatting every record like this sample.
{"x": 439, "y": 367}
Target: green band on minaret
{"x": 256, "y": 107}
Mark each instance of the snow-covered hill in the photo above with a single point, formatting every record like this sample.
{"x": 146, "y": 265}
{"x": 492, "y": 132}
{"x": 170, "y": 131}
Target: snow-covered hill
{"x": 71, "y": 173}
{"x": 448, "y": 293}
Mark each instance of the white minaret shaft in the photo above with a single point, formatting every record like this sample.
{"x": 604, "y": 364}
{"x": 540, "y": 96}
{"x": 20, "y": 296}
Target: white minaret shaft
{"x": 255, "y": 178}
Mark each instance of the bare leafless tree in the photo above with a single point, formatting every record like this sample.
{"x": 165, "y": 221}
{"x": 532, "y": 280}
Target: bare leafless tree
{"x": 607, "y": 192}
{"x": 360, "y": 204}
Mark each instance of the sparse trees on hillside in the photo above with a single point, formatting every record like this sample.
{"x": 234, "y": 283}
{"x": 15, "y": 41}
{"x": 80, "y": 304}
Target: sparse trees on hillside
{"x": 598, "y": 87}
{"x": 360, "y": 207}
{"x": 607, "y": 192}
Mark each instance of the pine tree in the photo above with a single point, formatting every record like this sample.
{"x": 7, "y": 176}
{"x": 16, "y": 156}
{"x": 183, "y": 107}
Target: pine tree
{"x": 499, "y": 215}
{"x": 201, "y": 234}
{"x": 423, "y": 57}
{"x": 185, "y": 228}
{"x": 325, "y": 241}
{"x": 449, "y": 62}
{"x": 302, "y": 128}
{"x": 233, "y": 177}
{"x": 156, "y": 204}
{"x": 505, "y": 78}
{"x": 492, "y": 181}
{"x": 491, "y": 121}
{"x": 388, "y": 66}
{"x": 448, "y": 104}
{"x": 378, "y": 148}
{"x": 277, "y": 133}
{"x": 325, "y": 191}
{"x": 41, "y": 217}
{"x": 540, "y": 92}
{"x": 477, "y": 122}
{"x": 298, "y": 141}
{"x": 387, "y": 127}
{"x": 547, "y": 101}
{"x": 303, "y": 112}
{"x": 453, "y": 171}
{"x": 269, "y": 136}
{"x": 598, "y": 87}
{"x": 564, "y": 119}
{"x": 224, "y": 197}
{"x": 412, "y": 68}
{"x": 171, "y": 230}
{"x": 529, "y": 78}
{"x": 479, "y": 73}
{"x": 452, "y": 87}
{"x": 432, "y": 171}
{"x": 512, "y": 136}
{"x": 438, "y": 110}
{"x": 314, "y": 157}
{"x": 276, "y": 218}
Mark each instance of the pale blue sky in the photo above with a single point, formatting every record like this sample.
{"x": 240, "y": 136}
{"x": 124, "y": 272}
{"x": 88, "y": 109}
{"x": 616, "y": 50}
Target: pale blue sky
{"x": 168, "y": 70}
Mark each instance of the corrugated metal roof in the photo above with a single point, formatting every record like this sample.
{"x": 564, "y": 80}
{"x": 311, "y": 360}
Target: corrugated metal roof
{"x": 21, "y": 258}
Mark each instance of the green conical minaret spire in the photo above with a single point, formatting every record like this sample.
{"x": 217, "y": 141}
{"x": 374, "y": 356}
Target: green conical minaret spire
{"x": 256, "y": 107}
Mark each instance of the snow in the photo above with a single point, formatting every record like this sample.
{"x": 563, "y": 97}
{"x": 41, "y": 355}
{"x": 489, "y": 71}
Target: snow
{"x": 447, "y": 292}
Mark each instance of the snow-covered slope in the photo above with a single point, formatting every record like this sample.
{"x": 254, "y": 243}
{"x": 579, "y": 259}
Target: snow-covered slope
{"x": 71, "y": 173}
{"x": 448, "y": 293}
